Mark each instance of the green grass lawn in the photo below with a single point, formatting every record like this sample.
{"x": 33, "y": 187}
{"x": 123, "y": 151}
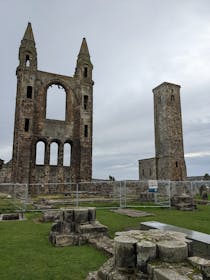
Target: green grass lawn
{"x": 26, "y": 253}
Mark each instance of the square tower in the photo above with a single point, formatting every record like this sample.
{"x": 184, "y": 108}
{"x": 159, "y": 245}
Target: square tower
{"x": 170, "y": 163}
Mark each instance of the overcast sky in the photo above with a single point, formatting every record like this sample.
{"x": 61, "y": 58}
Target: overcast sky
{"x": 134, "y": 45}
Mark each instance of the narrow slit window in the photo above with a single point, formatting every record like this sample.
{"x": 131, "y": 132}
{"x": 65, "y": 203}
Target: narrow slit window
{"x": 27, "y": 60}
{"x": 143, "y": 172}
{"x": 172, "y": 97}
{"x": 29, "y": 92}
{"x": 85, "y": 72}
{"x": 86, "y": 131}
{"x": 176, "y": 163}
{"x": 26, "y": 125}
{"x": 150, "y": 172}
{"x": 85, "y": 102}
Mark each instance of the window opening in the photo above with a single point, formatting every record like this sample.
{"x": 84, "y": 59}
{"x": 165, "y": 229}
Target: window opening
{"x": 27, "y": 61}
{"x": 54, "y": 153}
{"x": 29, "y": 91}
{"x": 172, "y": 97}
{"x": 67, "y": 154}
{"x": 86, "y": 131}
{"x": 150, "y": 172}
{"x": 85, "y": 102}
{"x": 85, "y": 72}
{"x": 26, "y": 125}
{"x": 143, "y": 172}
{"x": 176, "y": 164}
{"x": 40, "y": 152}
{"x": 56, "y": 103}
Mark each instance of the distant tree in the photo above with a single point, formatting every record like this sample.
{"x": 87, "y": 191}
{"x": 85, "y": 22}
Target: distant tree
{"x": 206, "y": 177}
{"x": 111, "y": 178}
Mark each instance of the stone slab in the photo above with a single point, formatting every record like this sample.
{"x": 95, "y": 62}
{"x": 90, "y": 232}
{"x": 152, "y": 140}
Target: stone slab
{"x": 132, "y": 213}
{"x": 200, "y": 241}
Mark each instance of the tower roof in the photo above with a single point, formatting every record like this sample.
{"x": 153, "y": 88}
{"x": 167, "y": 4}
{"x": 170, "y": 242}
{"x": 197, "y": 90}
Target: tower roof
{"x": 84, "y": 48}
{"x": 29, "y": 33}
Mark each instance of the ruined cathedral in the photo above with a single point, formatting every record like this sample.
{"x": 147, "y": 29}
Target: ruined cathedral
{"x": 32, "y": 127}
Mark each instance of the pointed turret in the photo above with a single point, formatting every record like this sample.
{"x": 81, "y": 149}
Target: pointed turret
{"x": 29, "y": 33}
{"x": 84, "y": 66}
{"x": 27, "y": 51}
{"x": 84, "y": 49}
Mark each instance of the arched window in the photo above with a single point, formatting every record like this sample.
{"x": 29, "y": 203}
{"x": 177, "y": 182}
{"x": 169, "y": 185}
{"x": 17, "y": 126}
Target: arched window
{"x": 40, "y": 151}
{"x": 54, "y": 153}
{"x": 67, "y": 154}
{"x": 85, "y": 73}
{"x": 172, "y": 97}
{"x": 56, "y": 103}
{"x": 27, "y": 60}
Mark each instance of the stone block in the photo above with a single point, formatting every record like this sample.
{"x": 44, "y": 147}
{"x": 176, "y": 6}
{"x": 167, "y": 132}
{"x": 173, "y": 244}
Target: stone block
{"x": 146, "y": 251}
{"x": 91, "y": 214}
{"x": 168, "y": 274}
{"x": 172, "y": 251}
{"x": 81, "y": 215}
{"x": 202, "y": 264}
{"x": 68, "y": 215}
{"x": 125, "y": 253}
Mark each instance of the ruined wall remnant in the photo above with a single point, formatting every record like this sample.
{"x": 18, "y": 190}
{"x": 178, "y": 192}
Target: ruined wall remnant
{"x": 32, "y": 126}
{"x": 152, "y": 255}
{"x": 76, "y": 226}
{"x": 169, "y": 151}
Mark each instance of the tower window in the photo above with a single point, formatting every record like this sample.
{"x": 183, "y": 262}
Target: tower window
{"x": 85, "y": 72}
{"x": 29, "y": 91}
{"x": 159, "y": 99}
{"x": 86, "y": 130}
{"x": 150, "y": 172}
{"x": 26, "y": 125}
{"x": 176, "y": 163}
{"x": 85, "y": 102}
{"x": 172, "y": 97}
{"x": 27, "y": 60}
{"x": 143, "y": 172}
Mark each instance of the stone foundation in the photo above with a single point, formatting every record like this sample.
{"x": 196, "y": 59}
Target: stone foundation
{"x": 76, "y": 226}
{"x": 152, "y": 255}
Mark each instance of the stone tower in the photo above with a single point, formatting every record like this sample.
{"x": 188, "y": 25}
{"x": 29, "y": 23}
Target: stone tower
{"x": 170, "y": 163}
{"x": 32, "y": 127}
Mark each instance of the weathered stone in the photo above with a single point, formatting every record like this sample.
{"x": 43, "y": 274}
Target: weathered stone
{"x": 91, "y": 214}
{"x": 146, "y": 251}
{"x": 50, "y": 216}
{"x": 81, "y": 215}
{"x": 11, "y": 216}
{"x": 168, "y": 274}
{"x": 125, "y": 253}
{"x": 68, "y": 215}
{"x": 172, "y": 251}
{"x": 202, "y": 264}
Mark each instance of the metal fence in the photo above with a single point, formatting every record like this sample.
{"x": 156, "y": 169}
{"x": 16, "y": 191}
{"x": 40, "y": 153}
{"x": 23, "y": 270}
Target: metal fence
{"x": 100, "y": 194}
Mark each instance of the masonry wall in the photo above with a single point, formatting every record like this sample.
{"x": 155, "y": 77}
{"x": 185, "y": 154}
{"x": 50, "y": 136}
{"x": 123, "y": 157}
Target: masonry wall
{"x": 147, "y": 169}
{"x": 32, "y": 127}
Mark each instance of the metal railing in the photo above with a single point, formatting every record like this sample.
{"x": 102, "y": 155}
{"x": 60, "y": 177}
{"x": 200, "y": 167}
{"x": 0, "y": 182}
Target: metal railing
{"x": 100, "y": 194}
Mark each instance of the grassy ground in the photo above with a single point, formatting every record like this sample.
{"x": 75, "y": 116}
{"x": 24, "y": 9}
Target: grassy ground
{"x": 26, "y": 253}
